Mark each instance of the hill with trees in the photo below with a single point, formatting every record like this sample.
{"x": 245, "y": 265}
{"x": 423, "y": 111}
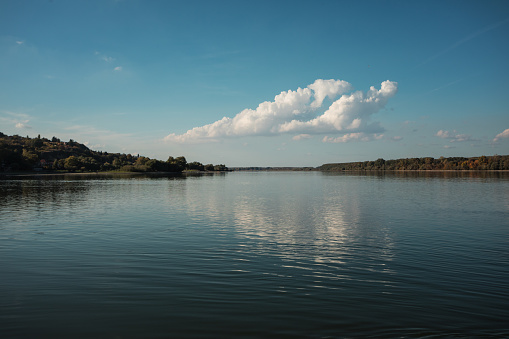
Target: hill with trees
{"x": 41, "y": 154}
{"x": 482, "y": 163}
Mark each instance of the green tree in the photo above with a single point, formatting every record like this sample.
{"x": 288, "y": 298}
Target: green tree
{"x": 196, "y": 166}
{"x": 176, "y": 164}
{"x": 71, "y": 163}
{"x": 30, "y": 157}
{"x": 117, "y": 163}
{"x": 141, "y": 161}
{"x": 220, "y": 167}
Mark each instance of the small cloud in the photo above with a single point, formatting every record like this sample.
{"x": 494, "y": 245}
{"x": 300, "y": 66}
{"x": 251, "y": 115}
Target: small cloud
{"x": 396, "y": 138}
{"x": 503, "y": 135}
{"x": 462, "y": 137}
{"x": 118, "y": 69}
{"x": 94, "y": 147}
{"x": 302, "y": 137}
{"x": 107, "y": 58}
{"x": 104, "y": 57}
{"x": 19, "y": 120}
{"x": 22, "y": 125}
{"x": 443, "y": 134}
{"x": 20, "y": 42}
{"x": 354, "y": 137}
{"x": 454, "y": 137}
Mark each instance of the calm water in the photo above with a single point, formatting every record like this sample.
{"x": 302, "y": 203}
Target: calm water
{"x": 255, "y": 255}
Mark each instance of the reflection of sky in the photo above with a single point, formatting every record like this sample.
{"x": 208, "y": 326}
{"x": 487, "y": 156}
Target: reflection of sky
{"x": 322, "y": 218}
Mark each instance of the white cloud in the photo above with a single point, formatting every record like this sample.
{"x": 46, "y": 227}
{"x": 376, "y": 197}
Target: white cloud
{"x": 359, "y": 136}
{"x": 20, "y": 42}
{"x": 20, "y": 120}
{"x": 443, "y": 134}
{"x": 454, "y": 137}
{"x": 118, "y": 68}
{"x": 295, "y": 112}
{"x": 302, "y": 137}
{"x": 348, "y": 114}
{"x": 504, "y": 134}
{"x": 328, "y": 88}
{"x": 22, "y": 125}
{"x": 93, "y": 147}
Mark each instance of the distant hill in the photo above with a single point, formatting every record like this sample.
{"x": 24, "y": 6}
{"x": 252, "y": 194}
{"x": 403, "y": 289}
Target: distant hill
{"x": 482, "y": 163}
{"x": 41, "y": 154}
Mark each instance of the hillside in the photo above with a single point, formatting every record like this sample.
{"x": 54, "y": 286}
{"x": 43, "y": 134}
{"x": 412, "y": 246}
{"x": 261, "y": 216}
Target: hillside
{"x": 482, "y": 163}
{"x": 41, "y": 154}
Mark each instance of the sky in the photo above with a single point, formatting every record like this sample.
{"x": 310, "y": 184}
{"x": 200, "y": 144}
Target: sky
{"x": 259, "y": 83}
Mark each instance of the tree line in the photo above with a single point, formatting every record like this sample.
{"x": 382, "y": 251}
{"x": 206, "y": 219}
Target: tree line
{"x": 24, "y": 153}
{"x": 482, "y": 163}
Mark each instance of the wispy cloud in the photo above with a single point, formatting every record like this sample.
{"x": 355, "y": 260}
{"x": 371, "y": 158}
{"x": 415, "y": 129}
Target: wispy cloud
{"x": 19, "y": 120}
{"x": 21, "y": 125}
{"x": 98, "y": 136}
{"x": 19, "y": 42}
{"x": 93, "y": 131}
{"x": 302, "y": 137}
{"x": 503, "y": 135}
{"x": 107, "y": 58}
{"x": 466, "y": 39}
{"x": 454, "y": 136}
{"x": 298, "y": 112}
{"x": 360, "y": 136}
{"x": 104, "y": 57}
{"x": 445, "y": 86}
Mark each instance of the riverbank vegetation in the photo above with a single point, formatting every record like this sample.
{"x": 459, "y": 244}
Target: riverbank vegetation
{"x": 41, "y": 154}
{"x": 482, "y": 163}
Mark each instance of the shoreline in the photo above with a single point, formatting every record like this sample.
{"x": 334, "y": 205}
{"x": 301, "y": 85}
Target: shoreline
{"x": 44, "y": 174}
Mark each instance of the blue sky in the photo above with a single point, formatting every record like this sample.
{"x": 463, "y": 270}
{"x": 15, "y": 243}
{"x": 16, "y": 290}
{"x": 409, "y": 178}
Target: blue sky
{"x": 259, "y": 83}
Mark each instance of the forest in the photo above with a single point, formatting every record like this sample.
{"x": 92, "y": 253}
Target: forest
{"x": 41, "y": 154}
{"x": 482, "y": 163}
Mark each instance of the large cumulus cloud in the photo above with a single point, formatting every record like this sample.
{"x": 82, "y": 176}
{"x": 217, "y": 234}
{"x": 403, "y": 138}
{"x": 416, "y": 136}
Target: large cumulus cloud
{"x": 300, "y": 112}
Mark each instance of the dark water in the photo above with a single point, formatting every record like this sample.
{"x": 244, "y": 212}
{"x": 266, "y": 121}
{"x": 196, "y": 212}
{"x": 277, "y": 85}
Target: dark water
{"x": 255, "y": 255}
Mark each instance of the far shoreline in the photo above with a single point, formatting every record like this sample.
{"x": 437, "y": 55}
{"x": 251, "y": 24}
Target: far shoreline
{"x": 265, "y": 169}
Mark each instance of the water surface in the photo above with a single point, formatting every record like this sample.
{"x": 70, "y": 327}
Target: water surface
{"x": 262, "y": 254}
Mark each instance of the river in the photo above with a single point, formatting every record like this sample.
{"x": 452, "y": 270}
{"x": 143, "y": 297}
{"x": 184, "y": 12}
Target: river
{"x": 255, "y": 254}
